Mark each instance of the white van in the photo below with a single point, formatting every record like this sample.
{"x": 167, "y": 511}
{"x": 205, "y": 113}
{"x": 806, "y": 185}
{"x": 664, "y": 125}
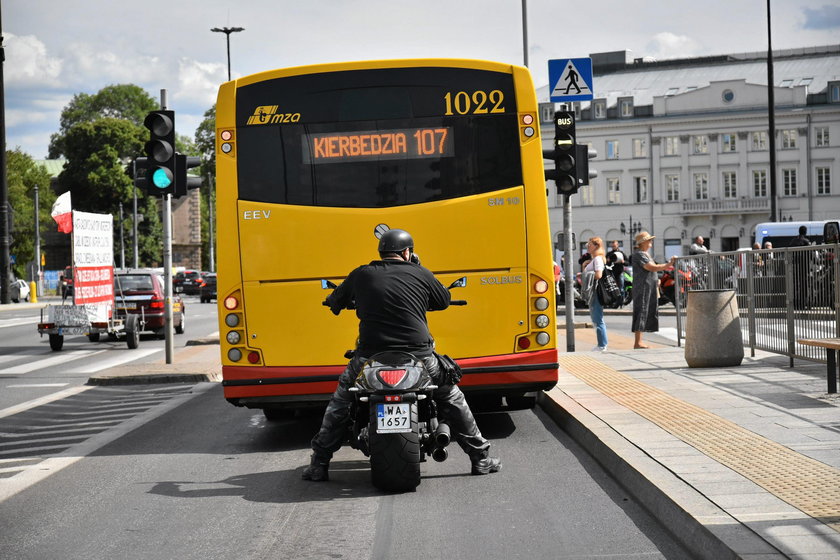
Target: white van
{"x": 780, "y": 234}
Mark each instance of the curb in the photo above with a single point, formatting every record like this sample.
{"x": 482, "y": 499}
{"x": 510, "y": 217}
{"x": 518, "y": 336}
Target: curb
{"x": 199, "y": 371}
{"x": 676, "y": 505}
{"x": 153, "y": 379}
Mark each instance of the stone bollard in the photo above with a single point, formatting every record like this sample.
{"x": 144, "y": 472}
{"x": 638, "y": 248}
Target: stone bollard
{"x": 713, "y": 329}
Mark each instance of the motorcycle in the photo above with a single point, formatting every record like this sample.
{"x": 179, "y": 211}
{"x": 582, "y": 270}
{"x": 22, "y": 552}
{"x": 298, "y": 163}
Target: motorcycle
{"x": 394, "y": 419}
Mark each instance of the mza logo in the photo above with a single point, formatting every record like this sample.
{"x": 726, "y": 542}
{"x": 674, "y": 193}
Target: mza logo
{"x": 267, "y": 114}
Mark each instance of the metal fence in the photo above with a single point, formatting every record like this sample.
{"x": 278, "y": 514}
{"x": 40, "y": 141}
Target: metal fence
{"x": 783, "y": 294}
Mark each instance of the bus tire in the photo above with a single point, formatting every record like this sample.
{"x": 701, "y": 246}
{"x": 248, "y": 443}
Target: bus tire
{"x": 56, "y": 341}
{"x": 395, "y": 458}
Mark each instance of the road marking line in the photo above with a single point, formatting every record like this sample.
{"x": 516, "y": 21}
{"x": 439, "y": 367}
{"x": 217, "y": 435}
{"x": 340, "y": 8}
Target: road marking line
{"x": 18, "y": 322}
{"x": 57, "y": 359}
{"x": 44, "y": 400}
{"x": 131, "y": 356}
{"x": 37, "y": 385}
{"x": 35, "y": 473}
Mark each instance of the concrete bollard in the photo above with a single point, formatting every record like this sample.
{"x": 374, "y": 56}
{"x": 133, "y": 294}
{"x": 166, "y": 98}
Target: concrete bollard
{"x": 713, "y": 329}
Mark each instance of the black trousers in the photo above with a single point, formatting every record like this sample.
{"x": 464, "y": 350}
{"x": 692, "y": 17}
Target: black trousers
{"x": 452, "y": 409}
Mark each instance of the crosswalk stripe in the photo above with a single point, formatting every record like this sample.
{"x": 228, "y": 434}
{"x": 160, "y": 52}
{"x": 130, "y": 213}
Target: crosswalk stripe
{"x": 60, "y": 357}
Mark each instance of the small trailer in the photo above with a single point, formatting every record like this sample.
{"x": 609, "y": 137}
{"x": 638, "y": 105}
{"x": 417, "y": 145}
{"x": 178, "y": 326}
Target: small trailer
{"x": 60, "y": 320}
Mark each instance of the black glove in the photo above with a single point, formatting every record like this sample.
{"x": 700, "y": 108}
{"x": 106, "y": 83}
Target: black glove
{"x": 414, "y": 258}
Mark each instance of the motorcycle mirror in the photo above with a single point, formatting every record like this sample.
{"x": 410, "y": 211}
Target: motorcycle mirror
{"x": 459, "y": 283}
{"x": 327, "y": 285}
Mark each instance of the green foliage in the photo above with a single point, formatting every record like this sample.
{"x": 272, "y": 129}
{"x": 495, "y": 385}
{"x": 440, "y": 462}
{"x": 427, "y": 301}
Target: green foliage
{"x": 23, "y": 175}
{"x": 125, "y": 101}
{"x": 205, "y": 142}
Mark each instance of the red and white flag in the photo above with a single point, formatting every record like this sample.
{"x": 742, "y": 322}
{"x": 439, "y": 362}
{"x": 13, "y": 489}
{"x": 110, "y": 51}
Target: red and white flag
{"x": 62, "y": 213}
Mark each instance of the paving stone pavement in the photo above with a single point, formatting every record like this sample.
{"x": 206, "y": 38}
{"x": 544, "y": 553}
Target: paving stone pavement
{"x": 739, "y": 462}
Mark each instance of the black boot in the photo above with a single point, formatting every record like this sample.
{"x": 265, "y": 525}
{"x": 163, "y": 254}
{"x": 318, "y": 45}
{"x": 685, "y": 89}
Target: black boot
{"x": 318, "y": 469}
{"x": 486, "y": 465}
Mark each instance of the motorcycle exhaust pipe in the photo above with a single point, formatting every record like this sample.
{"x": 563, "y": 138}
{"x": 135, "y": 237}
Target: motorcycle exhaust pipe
{"x": 440, "y": 454}
{"x": 442, "y": 435}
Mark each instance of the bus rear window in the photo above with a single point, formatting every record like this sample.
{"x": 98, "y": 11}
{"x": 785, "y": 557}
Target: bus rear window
{"x": 389, "y": 142}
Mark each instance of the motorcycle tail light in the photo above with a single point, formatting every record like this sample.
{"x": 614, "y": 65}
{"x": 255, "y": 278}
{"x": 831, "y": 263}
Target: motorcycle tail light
{"x": 393, "y": 398}
{"x": 391, "y": 376}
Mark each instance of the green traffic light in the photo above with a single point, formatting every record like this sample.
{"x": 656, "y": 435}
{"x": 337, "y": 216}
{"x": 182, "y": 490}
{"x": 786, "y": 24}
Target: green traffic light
{"x": 162, "y": 178}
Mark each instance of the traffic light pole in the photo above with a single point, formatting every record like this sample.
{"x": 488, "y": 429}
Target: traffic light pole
{"x": 568, "y": 272}
{"x": 167, "y": 262}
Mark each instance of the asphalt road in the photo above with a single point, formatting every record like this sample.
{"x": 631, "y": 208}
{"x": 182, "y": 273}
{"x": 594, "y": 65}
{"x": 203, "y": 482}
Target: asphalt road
{"x": 174, "y": 471}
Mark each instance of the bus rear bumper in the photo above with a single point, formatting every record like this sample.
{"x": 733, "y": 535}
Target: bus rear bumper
{"x": 507, "y": 374}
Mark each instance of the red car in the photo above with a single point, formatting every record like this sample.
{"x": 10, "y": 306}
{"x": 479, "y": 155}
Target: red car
{"x": 141, "y": 293}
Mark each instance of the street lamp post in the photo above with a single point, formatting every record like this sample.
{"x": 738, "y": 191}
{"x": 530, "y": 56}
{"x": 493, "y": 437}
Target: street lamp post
{"x": 227, "y": 31}
{"x": 632, "y": 229}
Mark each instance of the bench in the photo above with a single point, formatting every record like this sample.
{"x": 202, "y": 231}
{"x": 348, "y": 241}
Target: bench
{"x": 831, "y": 345}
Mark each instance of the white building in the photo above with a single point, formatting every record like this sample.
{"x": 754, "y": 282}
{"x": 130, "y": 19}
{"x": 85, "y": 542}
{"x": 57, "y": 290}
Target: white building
{"x": 683, "y": 147}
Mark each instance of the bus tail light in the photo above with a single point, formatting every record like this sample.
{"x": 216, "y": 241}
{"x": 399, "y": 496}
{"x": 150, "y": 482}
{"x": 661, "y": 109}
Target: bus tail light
{"x": 541, "y": 286}
{"x": 543, "y": 338}
{"x": 234, "y": 354}
{"x": 541, "y": 303}
{"x": 231, "y": 302}
{"x": 527, "y": 126}
{"x": 524, "y": 343}
{"x": 254, "y": 357}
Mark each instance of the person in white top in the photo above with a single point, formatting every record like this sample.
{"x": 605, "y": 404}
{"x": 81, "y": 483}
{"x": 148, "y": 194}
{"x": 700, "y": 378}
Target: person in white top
{"x": 597, "y": 264}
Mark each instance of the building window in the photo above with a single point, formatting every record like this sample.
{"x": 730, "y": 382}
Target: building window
{"x": 613, "y": 190}
{"x": 789, "y": 138}
{"x": 834, "y": 89}
{"x": 672, "y": 188}
{"x": 759, "y": 141}
{"x": 600, "y": 108}
{"x": 672, "y": 145}
{"x": 640, "y": 188}
{"x": 587, "y": 195}
{"x": 701, "y": 186}
{"x": 760, "y": 183}
{"x": 789, "y": 181}
{"x": 625, "y": 106}
{"x": 639, "y": 147}
{"x": 700, "y": 144}
{"x": 728, "y": 143}
{"x": 612, "y": 149}
{"x": 823, "y": 180}
{"x": 786, "y": 83}
{"x": 822, "y": 137}
{"x": 730, "y": 185}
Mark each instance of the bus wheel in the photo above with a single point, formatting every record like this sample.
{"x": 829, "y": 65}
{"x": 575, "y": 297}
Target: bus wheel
{"x": 56, "y": 341}
{"x": 395, "y": 458}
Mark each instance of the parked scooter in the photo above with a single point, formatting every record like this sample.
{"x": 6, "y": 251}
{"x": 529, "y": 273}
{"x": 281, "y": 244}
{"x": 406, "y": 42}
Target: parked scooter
{"x": 394, "y": 417}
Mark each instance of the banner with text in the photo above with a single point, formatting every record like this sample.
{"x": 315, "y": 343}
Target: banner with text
{"x": 93, "y": 259}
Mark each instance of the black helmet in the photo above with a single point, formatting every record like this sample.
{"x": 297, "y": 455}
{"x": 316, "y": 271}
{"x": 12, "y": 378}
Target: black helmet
{"x": 395, "y": 241}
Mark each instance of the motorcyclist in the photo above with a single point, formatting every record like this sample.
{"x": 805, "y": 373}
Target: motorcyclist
{"x": 391, "y": 297}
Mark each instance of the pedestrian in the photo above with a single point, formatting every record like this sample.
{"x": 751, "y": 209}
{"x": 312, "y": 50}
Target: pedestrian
{"x": 558, "y": 273}
{"x": 698, "y": 247}
{"x": 800, "y": 269}
{"x": 597, "y": 266}
{"x": 645, "y": 288}
{"x": 616, "y": 260}
{"x": 391, "y": 297}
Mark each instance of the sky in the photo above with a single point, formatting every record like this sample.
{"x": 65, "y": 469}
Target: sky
{"x": 55, "y": 49}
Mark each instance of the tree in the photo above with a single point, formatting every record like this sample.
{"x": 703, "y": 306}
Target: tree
{"x": 23, "y": 175}
{"x": 125, "y": 101}
{"x": 205, "y": 143}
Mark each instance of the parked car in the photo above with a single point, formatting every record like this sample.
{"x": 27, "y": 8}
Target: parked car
{"x": 140, "y": 292}
{"x": 187, "y": 282}
{"x": 208, "y": 288}
{"x": 19, "y": 291}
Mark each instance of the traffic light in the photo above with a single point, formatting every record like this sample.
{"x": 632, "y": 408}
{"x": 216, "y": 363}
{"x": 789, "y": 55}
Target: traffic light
{"x": 160, "y": 175}
{"x": 583, "y": 154}
{"x": 183, "y": 181}
{"x": 140, "y": 170}
{"x": 564, "y": 154}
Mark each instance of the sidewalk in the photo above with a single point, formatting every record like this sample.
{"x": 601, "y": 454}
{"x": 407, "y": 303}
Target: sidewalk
{"x": 740, "y": 462}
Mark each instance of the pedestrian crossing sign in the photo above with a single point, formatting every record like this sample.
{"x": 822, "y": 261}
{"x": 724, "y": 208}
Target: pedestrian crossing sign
{"x": 570, "y": 79}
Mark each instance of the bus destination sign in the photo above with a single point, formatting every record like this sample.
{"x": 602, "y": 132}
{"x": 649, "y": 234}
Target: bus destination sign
{"x": 374, "y": 145}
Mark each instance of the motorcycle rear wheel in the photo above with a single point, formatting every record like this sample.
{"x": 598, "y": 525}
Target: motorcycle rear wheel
{"x": 395, "y": 458}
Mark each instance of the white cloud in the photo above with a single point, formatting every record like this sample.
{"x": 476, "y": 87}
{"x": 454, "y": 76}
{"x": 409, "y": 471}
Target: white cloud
{"x": 198, "y": 82}
{"x": 670, "y": 45}
{"x": 28, "y": 64}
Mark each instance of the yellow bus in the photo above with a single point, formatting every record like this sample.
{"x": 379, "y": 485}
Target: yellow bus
{"x": 313, "y": 162}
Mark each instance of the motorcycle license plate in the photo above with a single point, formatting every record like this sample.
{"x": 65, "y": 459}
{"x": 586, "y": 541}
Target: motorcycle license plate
{"x": 393, "y": 418}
